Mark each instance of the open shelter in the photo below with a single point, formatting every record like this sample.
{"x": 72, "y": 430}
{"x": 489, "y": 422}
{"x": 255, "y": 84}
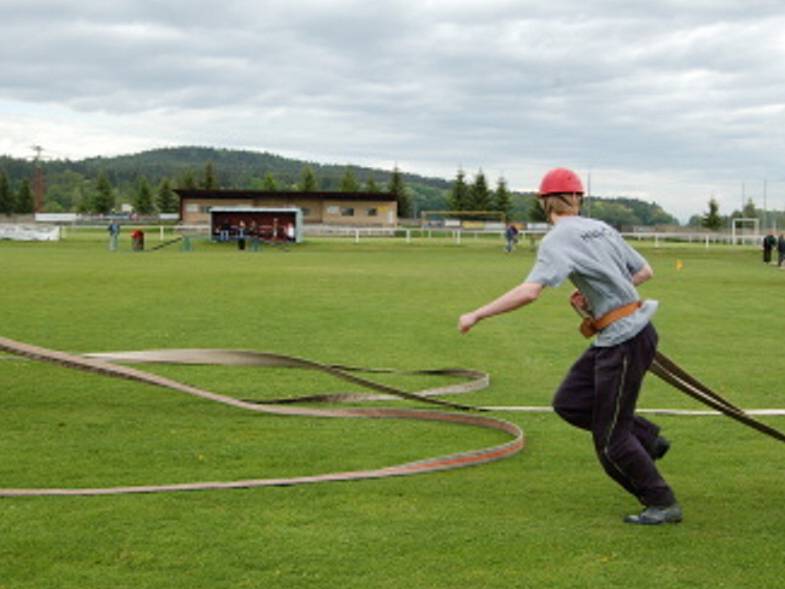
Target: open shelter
{"x": 268, "y": 224}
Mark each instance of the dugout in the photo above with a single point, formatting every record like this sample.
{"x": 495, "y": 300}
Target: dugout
{"x": 268, "y": 224}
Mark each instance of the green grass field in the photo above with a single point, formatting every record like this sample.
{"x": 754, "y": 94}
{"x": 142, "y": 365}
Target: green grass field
{"x": 549, "y": 517}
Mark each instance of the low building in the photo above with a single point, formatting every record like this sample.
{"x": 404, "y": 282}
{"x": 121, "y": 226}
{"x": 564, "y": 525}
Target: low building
{"x": 359, "y": 209}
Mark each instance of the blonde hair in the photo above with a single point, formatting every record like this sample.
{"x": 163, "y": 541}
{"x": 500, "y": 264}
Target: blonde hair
{"x": 561, "y": 204}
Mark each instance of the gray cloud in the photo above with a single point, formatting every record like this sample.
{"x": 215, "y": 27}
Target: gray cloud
{"x": 670, "y": 100}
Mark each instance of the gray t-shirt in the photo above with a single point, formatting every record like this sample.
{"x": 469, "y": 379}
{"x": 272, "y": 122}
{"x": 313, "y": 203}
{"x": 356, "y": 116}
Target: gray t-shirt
{"x": 600, "y": 264}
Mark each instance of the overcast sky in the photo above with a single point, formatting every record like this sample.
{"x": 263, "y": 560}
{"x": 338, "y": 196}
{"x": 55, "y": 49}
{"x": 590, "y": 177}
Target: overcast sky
{"x": 672, "y": 101}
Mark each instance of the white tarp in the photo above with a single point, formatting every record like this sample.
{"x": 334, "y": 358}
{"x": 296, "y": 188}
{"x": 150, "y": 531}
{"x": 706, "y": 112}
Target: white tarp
{"x": 29, "y": 232}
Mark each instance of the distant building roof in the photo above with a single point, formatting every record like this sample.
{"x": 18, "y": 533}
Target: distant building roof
{"x": 186, "y": 193}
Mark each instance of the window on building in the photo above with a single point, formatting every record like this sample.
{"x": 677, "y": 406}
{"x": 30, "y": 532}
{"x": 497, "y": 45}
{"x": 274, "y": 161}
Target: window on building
{"x": 205, "y": 208}
{"x": 332, "y": 210}
{"x": 347, "y": 212}
{"x": 372, "y": 212}
{"x": 306, "y": 212}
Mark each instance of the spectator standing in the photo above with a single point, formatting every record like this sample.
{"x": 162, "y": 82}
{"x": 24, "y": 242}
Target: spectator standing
{"x": 241, "y": 235}
{"x": 769, "y": 243}
{"x": 511, "y": 235}
{"x": 114, "y": 232}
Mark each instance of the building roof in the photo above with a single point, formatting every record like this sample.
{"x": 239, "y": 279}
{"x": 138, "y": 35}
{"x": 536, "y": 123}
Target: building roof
{"x": 191, "y": 193}
{"x": 256, "y": 210}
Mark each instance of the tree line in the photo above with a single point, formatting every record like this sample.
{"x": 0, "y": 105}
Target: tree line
{"x": 102, "y": 197}
{"x": 475, "y": 195}
{"x": 18, "y": 201}
{"x": 713, "y": 220}
{"x": 142, "y": 178}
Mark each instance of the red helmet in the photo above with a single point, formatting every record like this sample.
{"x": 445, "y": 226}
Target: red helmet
{"x": 561, "y": 181}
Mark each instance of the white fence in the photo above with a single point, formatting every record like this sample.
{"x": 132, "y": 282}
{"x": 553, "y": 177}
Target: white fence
{"x": 458, "y": 235}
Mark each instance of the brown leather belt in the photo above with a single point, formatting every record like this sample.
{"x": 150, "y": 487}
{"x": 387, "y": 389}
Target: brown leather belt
{"x": 590, "y": 326}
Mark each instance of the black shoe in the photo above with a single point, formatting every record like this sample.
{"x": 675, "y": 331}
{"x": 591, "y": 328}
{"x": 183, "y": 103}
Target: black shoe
{"x": 661, "y": 447}
{"x": 652, "y": 516}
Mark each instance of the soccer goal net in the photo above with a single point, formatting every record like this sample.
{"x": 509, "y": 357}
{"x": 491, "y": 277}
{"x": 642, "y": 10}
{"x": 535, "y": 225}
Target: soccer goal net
{"x": 744, "y": 229}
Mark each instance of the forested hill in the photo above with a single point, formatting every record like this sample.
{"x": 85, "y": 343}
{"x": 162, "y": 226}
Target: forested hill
{"x": 238, "y": 169}
{"x": 69, "y": 182}
{"x": 72, "y": 183}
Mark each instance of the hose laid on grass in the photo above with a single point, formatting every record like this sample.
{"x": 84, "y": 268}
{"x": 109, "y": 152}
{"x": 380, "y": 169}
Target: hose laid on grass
{"x": 674, "y": 375}
{"x": 100, "y": 364}
{"x": 104, "y": 364}
{"x": 662, "y": 366}
{"x": 166, "y": 244}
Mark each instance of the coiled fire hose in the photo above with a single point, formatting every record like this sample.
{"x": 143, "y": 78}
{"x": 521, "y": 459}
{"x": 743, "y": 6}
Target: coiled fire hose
{"x": 104, "y": 364}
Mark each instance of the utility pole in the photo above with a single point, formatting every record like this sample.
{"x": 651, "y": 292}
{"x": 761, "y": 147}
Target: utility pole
{"x": 765, "y": 207}
{"x": 39, "y": 184}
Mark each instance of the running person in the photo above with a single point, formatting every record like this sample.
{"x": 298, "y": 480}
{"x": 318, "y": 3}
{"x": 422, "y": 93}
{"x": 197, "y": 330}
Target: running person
{"x": 601, "y": 389}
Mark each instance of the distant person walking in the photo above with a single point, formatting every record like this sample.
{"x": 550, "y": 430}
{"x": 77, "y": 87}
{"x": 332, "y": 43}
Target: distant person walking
{"x": 114, "y": 232}
{"x": 511, "y": 235}
{"x": 769, "y": 243}
{"x": 781, "y": 250}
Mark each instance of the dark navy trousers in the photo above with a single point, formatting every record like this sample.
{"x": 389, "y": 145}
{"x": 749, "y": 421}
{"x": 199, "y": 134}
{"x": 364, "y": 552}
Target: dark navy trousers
{"x": 599, "y": 394}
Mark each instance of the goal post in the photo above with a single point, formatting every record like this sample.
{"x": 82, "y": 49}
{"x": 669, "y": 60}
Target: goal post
{"x": 744, "y": 228}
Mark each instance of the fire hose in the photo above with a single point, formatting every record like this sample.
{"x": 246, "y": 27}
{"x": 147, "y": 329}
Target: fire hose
{"x": 106, "y": 364}
{"x": 672, "y": 373}
{"x": 100, "y": 364}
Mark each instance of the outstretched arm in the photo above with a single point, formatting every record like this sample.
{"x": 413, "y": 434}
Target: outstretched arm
{"x": 642, "y": 275}
{"x": 521, "y": 295}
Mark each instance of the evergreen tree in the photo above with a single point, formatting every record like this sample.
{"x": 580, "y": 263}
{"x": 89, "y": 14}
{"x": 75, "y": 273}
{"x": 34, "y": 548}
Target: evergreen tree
{"x": 269, "y": 184}
{"x": 749, "y": 211}
{"x": 187, "y": 180}
{"x": 166, "y": 199}
{"x": 459, "y": 193}
{"x": 307, "y": 180}
{"x": 371, "y": 186}
{"x": 6, "y": 198}
{"x": 103, "y": 200}
{"x": 24, "y": 199}
{"x": 143, "y": 199}
{"x": 536, "y": 214}
{"x": 479, "y": 195}
{"x": 349, "y": 181}
{"x": 501, "y": 200}
{"x": 712, "y": 220}
{"x": 398, "y": 188}
{"x": 209, "y": 182}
